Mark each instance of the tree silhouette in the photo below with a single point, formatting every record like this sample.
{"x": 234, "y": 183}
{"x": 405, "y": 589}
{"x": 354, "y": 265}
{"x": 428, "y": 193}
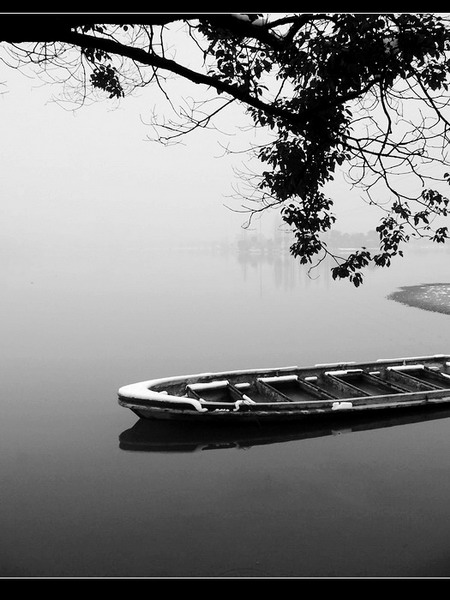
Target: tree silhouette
{"x": 363, "y": 94}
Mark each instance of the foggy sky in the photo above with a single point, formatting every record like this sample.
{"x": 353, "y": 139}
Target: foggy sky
{"x": 90, "y": 176}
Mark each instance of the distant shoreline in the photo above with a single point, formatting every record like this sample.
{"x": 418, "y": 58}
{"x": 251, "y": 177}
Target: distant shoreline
{"x": 434, "y": 297}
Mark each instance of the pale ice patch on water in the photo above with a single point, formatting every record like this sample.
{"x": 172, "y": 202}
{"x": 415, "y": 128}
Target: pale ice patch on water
{"x": 431, "y": 296}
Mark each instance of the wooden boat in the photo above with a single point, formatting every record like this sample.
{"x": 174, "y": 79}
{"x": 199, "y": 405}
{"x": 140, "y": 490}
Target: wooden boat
{"x": 295, "y": 392}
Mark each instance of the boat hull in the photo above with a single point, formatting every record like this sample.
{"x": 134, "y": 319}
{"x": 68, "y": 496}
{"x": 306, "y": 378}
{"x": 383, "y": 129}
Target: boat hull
{"x": 258, "y": 414}
{"x": 152, "y": 435}
{"x": 294, "y": 393}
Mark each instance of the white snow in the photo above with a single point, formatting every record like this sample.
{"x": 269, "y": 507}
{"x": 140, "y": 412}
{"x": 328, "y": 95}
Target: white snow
{"x": 240, "y": 16}
{"x": 209, "y": 385}
{"x": 407, "y": 367}
{"x": 247, "y": 400}
{"x": 412, "y": 358}
{"x": 141, "y": 391}
{"x": 280, "y": 378}
{"x": 258, "y": 22}
{"x": 338, "y": 364}
{"x": 341, "y": 405}
{"x": 240, "y": 402}
{"x": 344, "y": 372}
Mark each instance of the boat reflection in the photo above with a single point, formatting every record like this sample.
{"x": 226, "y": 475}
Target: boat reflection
{"x": 175, "y": 436}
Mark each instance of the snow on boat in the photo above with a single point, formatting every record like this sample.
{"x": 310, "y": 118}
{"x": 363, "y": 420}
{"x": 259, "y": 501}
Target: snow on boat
{"x": 294, "y": 392}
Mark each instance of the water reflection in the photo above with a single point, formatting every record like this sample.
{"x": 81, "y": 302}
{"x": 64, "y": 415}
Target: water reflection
{"x": 171, "y": 436}
{"x": 287, "y": 272}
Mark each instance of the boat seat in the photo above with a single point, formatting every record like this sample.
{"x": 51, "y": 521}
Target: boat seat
{"x": 291, "y": 388}
{"x": 218, "y": 392}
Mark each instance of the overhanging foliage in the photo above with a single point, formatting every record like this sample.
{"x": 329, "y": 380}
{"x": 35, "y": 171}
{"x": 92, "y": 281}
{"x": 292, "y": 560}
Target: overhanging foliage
{"x": 365, "y": 94}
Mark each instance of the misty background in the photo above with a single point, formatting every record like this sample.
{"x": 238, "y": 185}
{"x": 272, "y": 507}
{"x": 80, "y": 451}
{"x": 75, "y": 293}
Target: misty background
{"x": 76, "y": 180}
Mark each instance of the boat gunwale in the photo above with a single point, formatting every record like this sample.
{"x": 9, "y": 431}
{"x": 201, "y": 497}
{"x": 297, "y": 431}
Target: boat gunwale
{"x": 363, "y": 400}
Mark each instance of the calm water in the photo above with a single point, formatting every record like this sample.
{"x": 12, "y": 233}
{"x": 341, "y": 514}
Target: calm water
{"x": 88, "y": 491}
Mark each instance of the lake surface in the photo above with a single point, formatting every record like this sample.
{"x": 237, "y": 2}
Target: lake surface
{"x": 90, "y": 491}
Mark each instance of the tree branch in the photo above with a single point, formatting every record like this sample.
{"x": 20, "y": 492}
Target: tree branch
{"x": 154, "y": 60}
